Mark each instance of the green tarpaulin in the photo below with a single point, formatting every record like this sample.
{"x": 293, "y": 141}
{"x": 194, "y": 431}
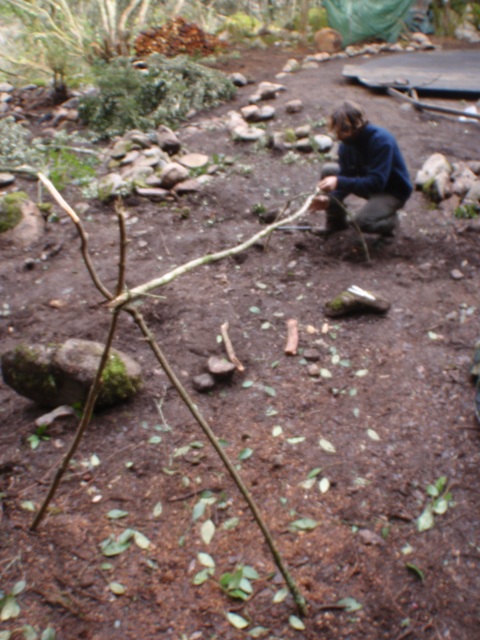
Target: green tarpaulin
{"x": 361, "y": 19}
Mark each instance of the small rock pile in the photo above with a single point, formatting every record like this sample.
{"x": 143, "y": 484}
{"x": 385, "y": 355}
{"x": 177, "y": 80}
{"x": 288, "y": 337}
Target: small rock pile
{"x": 152, "y": 165}
{"x": 441, "y": 180}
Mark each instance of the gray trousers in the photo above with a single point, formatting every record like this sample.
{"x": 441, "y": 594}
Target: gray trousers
{"x": 378, "y": 214}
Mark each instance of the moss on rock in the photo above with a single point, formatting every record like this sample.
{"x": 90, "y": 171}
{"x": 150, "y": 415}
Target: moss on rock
{"x": 11, "y": 210}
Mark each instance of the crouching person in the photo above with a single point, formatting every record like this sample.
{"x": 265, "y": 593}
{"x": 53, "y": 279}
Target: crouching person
{"x": 370, "y": 166}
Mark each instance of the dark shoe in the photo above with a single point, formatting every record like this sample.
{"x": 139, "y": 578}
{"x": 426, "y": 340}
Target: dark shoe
{"x": 329, "y": 230}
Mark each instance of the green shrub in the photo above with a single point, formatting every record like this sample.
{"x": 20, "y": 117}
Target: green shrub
{"x": 241, "y": 25}
{"x": 317, "y": 18}
{"x": 164, "y": 94}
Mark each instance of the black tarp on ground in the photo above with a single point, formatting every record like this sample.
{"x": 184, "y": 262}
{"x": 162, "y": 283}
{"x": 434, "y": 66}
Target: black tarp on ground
{"x": 435, "y": 71}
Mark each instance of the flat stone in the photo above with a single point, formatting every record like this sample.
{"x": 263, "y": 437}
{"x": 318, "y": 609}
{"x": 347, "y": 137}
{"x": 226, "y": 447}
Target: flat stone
{"x": 220, "y": 367}
{"x": 187, "y": 186}
{"x": 172, "y": 174}
{"x": 152, "y": 193}
{"x": 312, "y": 355}
{"x": 238, "y": 79}
{"x": 294, "y": 106}
{"x": 203, "y": 382}
{"x": 194, "y": 160}
{"x": 6, "y": 179}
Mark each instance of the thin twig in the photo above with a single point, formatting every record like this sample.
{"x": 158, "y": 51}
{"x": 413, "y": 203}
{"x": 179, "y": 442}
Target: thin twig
{"x": 81, "y": 232}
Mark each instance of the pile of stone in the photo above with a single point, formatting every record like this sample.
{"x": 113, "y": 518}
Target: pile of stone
{"x": 439, "y": 179}
{"x": 152, "y": 165}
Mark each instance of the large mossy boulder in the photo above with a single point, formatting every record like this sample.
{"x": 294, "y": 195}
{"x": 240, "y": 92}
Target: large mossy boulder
{"x": 55, "y": 375}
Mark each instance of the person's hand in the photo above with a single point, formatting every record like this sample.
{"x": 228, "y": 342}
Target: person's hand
{"x": 328, "y": 184}
{"x": 319, "y": 203}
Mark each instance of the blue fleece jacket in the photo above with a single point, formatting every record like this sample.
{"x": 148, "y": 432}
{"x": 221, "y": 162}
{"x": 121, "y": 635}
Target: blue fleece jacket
{"x": 372, "y": 163}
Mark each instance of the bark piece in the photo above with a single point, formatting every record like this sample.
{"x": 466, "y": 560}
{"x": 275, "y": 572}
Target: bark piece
{"x": 356, "y": 300}
{"x": 292, "y": 337}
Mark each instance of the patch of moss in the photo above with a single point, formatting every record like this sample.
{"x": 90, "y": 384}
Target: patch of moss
{"x": 11, "y": 210}
{"x": 116, "y": 384}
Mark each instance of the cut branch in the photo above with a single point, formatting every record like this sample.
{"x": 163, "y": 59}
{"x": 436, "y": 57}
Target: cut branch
{"x": 229, "y": 348}
{"x": 129, "y": 296}
{"x": 292, "y": 338}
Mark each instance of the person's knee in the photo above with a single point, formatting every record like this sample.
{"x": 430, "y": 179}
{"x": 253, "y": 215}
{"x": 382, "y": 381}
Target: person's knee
{"x": 330, "y": 169}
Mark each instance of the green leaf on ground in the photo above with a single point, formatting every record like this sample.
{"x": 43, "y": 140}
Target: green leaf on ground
{"x": 206, "y": 560}
{"x": 304, "y": 524}
{"x": 237, "y": 621}
{"x": 350, "y": 604}
{"x": 415, "y": 570}
{"x": 141, "y": 540}
{"x": 324, "y": 485}
{"x": 280, "y": 596}
{"x": 207, "y": 531}
{"x": 245, "y": 454}
{"x": 116, "y": 514}
{"x": 258, "y": 632}
{"x": 270, "y": 391}
{"x": 314, "y": 472}
{"x": 361, "y": 373}
{"x": 296, "y": 623}
{"x": 326, "y": 445}
{"x": 231, "y": 523}
{"x": 296, "y": 439}
{"x": 117, "y": 588}
{"x": 18, "y": 587}
{"x": 247, "y": 384}
{"x": 155, "y": 440}
{"x": 157, "y": 510}
{"x": 426, "y": 521}
{"x": 27, "y": 505}
{"x": 49, "y": 634}
{"x": 373, "y": 435}
{"x": 29, "y": 632}
{"x": 325, "y": 373}
{"x": 277, "y": 431}
{"x": 254, "y": 310}
{"x": 10, "y": 609}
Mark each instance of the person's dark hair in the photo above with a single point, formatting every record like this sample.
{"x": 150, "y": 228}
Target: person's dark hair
{"x": 348, "y": 117}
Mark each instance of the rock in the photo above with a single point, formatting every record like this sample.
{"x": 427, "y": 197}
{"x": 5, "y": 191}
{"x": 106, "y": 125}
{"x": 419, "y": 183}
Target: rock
{"x": 238, "y": 79}
{"x": 62, "y": 374}
{"x": 422, "y": 40}
{"x": 20, "y": 219}
{"x": 328, "y": 40}
{"x": 304, "y": 145}
{"x": 152, "y": 193}
{"x": 266, "y": 91}
{"x": 167, "y": 140}
{"x": 172, "y": 174}
{"x": 6, "y": 87}
{"x": 6, "y": 179}
{"x": 194, "y": 160}
{"x": 474, "y": 165}
{"x": 432, "y": 167}
{"x": 291, "y": 66}
{"x": 310, "y": 64}
{"x": 441, "y": 187}
{"x": 130, "y": 157}
{"x": 120, "y": 149}
{"x": 303, "y": 131}
{"x": 312, "y": 355}
{"x": 247, "y": 134}
{"x": 220, "y": 368}
{"x": 463, "y": 179}
{"x": 136, "y": 175}
{"x": 356, "y": 300}
{"x": 189, "y": 186}
{"x": 313, "y": 370}
{"x": 323, "y": 142}
{"x": 110, "y": 186}
{"x": 456, "y": 274}
{"x": 370, "y": 537}
{"x": 258, "y": 114}
{"x": 294, "y": 106}
{"x": 203, "y": 383}
{"x": 473, "y": 194}
{"x": 140, "y": 139}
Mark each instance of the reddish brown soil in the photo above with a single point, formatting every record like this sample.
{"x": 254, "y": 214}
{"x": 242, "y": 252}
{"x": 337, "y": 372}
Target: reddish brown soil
{"x": 416, "y": 396}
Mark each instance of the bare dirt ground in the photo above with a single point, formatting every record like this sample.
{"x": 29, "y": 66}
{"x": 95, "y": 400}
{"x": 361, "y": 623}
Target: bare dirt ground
{"x": 397, "y": 407}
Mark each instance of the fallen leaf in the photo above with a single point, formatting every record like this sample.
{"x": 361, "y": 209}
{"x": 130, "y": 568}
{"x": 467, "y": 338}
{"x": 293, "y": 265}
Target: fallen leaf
{"x": 296, "y": 623}
{"x": 237, "y": 621}
{"x": 326, "y": 445}
{"x": 207, "y": 531}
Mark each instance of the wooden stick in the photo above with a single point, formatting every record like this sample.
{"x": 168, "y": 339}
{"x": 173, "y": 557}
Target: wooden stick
{"x": 229, "y": 348}
{"x": 292, "y": 338}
